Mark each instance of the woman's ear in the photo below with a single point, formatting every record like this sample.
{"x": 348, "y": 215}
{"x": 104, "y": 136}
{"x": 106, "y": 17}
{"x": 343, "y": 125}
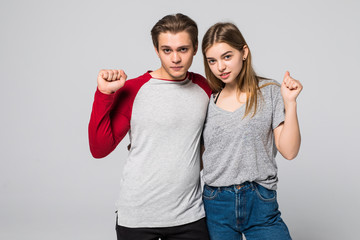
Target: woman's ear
{"x": 245, "y": 51}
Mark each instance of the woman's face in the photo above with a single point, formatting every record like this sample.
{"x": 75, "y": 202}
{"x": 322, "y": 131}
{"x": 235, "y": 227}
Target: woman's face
{"x": 225, "y": 62}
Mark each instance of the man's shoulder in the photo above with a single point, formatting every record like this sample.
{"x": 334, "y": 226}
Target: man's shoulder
{"x": 132, "y": 86}
{"x": 140, "y": 79}
{"x": 196, "y": 76}
{"x": 201, "y": 81}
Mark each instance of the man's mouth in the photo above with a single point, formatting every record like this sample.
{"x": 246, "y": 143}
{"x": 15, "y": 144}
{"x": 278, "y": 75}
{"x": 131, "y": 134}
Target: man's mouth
{"x": 176, "y": 68}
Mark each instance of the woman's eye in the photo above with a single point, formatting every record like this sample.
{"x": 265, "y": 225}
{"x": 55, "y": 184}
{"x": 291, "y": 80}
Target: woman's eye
{"x": 227, "y": 57}
{"x": 211, "y": 62}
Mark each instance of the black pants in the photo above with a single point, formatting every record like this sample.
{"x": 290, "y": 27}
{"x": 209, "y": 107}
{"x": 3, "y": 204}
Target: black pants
{"x": 191, "y": 231}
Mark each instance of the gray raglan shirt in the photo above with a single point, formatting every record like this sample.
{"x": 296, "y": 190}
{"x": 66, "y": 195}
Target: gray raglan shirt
{"x": 160, "y": 181}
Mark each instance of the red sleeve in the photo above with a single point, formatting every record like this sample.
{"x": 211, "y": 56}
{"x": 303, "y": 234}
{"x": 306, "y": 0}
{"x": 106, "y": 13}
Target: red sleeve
{"x": 202, "y": 82}
{"x": 111, "y": 115}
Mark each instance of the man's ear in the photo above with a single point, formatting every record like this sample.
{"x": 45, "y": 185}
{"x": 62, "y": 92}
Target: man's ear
{"x": 195, "y": 49}
{"x": 157, "y": 51}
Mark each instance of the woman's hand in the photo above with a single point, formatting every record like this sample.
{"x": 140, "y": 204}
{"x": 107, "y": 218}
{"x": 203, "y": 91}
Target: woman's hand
{"x": 290, "y": 88}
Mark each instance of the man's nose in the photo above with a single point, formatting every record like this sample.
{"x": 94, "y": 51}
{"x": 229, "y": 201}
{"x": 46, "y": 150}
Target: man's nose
{"x": 176, "y": 57}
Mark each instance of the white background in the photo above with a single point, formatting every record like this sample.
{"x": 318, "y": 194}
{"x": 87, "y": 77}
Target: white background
{"x": 51, "y": 52}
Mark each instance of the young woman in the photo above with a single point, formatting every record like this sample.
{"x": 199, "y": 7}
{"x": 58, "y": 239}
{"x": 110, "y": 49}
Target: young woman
{"x": 249, "y": 118}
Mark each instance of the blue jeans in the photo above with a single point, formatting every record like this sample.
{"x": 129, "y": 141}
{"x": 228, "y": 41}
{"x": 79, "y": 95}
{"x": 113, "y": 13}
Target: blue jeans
{"x": 248, "y": 209}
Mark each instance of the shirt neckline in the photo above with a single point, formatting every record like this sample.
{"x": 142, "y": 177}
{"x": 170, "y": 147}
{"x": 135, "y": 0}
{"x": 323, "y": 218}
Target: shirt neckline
{"x": 169, "y": 80}
{"x": 216, "y": 107}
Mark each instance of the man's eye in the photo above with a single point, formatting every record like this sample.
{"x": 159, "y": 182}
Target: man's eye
{"x": 183, "y": 49}
{"x": 166, "y": 50}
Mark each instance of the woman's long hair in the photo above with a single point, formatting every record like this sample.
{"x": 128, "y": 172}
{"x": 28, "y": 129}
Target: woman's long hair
{"x": 247, "y": 80}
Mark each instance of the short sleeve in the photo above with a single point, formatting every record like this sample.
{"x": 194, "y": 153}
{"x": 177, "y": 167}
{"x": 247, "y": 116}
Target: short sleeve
{"x": 277, "y": 107}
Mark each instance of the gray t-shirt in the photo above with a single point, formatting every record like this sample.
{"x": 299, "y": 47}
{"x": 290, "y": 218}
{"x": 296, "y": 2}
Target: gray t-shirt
{"x": 241, "y": 149}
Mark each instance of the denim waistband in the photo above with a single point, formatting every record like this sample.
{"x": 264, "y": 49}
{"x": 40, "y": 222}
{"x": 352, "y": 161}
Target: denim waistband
{"x": 235, "y": 187}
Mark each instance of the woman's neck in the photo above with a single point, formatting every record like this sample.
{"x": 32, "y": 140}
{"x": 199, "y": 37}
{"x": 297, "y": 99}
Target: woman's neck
{"x": 233, "y": 92}
{"x": 231, "y": 89}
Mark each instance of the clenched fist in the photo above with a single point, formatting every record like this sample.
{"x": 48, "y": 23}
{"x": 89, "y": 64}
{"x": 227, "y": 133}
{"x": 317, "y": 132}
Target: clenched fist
{"x": 290, "y": 88}
{"x": 109, "y": 81}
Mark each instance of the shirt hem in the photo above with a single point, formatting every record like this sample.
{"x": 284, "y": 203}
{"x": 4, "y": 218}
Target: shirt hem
{"x": 157, "y": 225}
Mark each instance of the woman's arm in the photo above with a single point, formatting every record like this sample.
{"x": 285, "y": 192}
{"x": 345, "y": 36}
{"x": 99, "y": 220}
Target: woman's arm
{"x": 202, "y": 150}
{"x": 287, "y": 135}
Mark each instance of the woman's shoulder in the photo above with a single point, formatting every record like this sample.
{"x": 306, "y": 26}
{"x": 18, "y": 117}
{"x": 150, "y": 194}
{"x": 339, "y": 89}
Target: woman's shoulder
{"x": 269, "y": 87}
{"x": 264, "y": 82}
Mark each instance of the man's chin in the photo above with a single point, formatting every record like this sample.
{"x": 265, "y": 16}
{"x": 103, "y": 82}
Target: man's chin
{"x": 178, "y": 75}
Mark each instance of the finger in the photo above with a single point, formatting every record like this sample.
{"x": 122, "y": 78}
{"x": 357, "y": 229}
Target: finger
{"x": 287, "y": 81}
{"x": 104, "y": 74}
{"x": 292, "y": 83}
{"x": 114, "y": 75}
{"x": 122, "y": 74}
{"x": 110, "y": 75}
{"x": 298, "y": 85}
{"x": 101, "y": 73}
{"x": 286, "y": 78}
{"x": 118, "y": 76}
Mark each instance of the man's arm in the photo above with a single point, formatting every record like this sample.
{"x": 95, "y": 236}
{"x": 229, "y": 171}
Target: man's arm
{"x": 107, "y": 127}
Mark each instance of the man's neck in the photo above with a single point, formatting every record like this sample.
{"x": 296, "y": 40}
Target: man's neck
{"x": 162, "y": 74}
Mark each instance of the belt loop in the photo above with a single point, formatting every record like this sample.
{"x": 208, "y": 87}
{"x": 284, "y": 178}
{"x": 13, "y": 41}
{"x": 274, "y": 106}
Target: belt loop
{"x": 252, "y": 186}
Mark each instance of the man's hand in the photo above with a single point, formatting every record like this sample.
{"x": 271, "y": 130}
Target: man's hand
{"x": 109, "y": 81}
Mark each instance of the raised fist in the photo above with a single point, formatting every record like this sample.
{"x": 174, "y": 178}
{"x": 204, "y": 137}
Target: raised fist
{"x": 109, "y": 81}
{"x": 290, "y": 88}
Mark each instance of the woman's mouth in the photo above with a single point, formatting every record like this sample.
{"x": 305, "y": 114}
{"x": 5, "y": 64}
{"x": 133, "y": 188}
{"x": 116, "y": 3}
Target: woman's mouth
{"x": 225, "y": 75}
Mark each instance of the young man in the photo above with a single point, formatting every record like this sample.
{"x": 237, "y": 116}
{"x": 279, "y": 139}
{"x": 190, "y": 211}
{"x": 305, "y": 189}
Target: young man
{"x": 163, "y": 111}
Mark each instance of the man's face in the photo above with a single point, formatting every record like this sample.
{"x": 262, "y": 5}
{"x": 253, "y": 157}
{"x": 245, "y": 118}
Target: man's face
{"x": 176, "y": 54}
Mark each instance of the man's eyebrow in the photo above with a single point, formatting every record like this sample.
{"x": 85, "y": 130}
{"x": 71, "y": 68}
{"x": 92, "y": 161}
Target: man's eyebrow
{"x": 183, "y": 46}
